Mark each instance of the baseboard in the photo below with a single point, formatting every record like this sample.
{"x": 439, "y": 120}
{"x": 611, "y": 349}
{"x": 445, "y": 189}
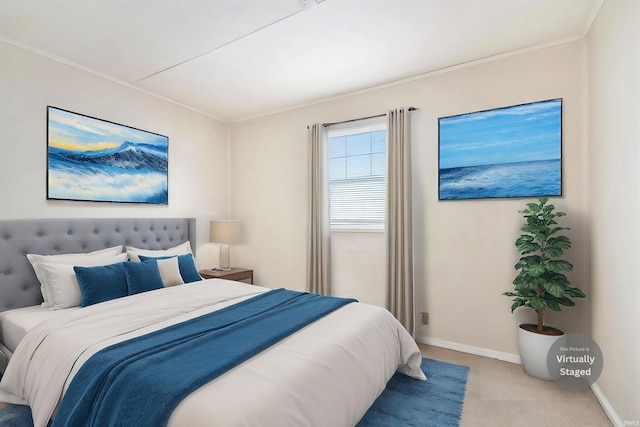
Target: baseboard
{"x": 479, "y": 351}
{"x": 608, "y": 409}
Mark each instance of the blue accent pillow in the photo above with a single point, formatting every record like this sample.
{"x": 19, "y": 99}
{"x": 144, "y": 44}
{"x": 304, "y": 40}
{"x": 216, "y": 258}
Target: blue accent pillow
{"x": 188, "y": 269}
{"x": 187, "y": 266}
{"x": 103, "y": 283}
{"x": 143, "y": 276}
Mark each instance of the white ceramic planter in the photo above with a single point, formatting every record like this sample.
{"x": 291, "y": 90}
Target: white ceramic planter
{"x": 534, "y": 349}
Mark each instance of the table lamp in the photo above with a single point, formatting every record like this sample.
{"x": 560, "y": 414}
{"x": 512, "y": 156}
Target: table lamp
{"x": 224, "y": 232}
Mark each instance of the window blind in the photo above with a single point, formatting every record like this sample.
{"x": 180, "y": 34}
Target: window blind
{"x": 357, "y": 177}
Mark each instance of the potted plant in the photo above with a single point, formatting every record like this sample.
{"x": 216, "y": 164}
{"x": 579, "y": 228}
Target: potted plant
{"x": 541, "y": 283}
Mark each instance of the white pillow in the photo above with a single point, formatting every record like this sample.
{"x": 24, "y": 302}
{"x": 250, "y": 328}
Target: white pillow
{"x": 62, "y": 284}
{"x": 182, "y": 249}
{"x": 36, "y": 260}
{"x": 170, "y": 271}
{"x": 63, "y": 258}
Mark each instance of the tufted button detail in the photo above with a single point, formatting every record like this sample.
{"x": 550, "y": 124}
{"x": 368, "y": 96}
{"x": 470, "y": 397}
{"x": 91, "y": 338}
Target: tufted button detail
{"x": 83, "y": 246}
{"x": 6, "y": 237}
{"x": 40, "y": 234}
{"x": 25, "y": 287}
{"x": 69, "y": 232}
{"x": 117, "y": 230}
{"x": 95, "y": 231}
{"x": 56, "y": 249}
{"x": 7, "y": 272}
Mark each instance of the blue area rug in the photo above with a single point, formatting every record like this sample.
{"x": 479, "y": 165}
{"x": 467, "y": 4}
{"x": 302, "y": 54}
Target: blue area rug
{"x": 16, "y": 416}
{"x": 405, "y": 402}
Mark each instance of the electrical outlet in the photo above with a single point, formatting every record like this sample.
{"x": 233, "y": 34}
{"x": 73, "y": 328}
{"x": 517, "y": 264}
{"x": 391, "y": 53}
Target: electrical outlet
{"x": 425, "y": 318}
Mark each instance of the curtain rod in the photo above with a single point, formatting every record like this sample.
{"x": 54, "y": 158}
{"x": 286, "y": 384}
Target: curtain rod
{"x": 362, "y": 118}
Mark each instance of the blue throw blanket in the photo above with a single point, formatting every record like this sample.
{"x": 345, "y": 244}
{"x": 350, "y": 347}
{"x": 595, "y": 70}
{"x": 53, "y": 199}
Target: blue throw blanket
{"x": 139, "y": 382}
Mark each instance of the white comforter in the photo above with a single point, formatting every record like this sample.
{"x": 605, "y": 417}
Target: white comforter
{"x": 327, "y": 374}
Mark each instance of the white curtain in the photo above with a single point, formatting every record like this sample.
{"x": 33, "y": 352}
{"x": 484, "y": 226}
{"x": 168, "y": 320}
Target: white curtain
{"x": 399, "y": 270}
{"x": 319, "y": 250}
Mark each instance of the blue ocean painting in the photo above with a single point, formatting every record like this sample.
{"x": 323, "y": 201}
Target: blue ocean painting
{"x": 95, "y": 160}
{"x": 506, "y": 152}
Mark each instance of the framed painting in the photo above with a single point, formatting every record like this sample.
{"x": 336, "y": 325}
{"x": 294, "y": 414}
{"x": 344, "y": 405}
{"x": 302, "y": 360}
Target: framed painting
{"x": 513, "y": 151}
{"x": 96, "y": 160}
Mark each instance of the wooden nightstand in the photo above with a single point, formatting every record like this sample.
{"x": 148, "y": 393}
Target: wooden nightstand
{"x": 236, "y": 273}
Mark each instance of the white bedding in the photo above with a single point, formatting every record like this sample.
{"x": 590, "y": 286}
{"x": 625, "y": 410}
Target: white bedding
{"x": 14, "y": 324}
{"x": 327, "y": 374}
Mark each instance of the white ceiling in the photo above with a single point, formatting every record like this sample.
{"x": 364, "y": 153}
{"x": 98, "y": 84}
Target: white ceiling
{"x": 237, "y": 59}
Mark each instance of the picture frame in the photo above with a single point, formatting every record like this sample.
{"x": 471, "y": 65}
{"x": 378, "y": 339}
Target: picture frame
{"x": 506, "y": 152}
{"x": 91, "y": 159}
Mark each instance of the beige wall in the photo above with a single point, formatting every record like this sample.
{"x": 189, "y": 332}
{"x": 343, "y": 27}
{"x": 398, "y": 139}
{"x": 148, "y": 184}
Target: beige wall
{"x": 29, "y": 82}
{"x": 614, "y": 132}
{"x": 464, "y": 249}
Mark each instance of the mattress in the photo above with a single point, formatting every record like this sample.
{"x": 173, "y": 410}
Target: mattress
{"x": 14, "y": 324}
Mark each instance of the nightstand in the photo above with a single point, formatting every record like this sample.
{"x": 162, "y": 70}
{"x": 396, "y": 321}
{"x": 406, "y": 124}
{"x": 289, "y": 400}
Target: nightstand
{"x": 236, "y": 273}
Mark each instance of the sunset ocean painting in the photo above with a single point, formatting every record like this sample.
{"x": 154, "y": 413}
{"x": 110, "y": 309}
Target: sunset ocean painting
{"x": 96, "y": 160}
{"x": 506, "y": 152}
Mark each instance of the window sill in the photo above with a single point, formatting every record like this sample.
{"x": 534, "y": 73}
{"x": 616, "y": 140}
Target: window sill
{"x": 356, "y": 230}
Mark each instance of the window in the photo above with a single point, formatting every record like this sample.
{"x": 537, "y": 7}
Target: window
{"x": 357, "y": 177}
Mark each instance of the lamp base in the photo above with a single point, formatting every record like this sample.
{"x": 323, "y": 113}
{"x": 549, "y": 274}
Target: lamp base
{"x": 224, "y": 257}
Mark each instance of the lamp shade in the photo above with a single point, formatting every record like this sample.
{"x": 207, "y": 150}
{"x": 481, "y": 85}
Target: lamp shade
{"x": 224, "y": 231}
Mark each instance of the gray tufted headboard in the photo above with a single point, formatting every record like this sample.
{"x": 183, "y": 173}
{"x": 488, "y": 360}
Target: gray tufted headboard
{"x": 19, "y": 286}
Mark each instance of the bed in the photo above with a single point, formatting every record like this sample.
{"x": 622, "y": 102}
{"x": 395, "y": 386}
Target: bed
{"x": 327, "y": 372}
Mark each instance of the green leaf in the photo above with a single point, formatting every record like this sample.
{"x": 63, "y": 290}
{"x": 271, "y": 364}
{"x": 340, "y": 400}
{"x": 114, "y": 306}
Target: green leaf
{"x": 520, "y": 281}
{"x": 527, "y": 261}
{"x": 561, "y": 280}
{"x": 548, "y": 218}
{"x": 534, "y": 207}
{"x": 558, "y": 266}
{"x": 517, "y": 303}
{"x": 538, "y": 303}
{"x": 566, "y": 301}
{"x": 557, "y": 230}
{"x": 536, "y": 270}
{"x": 555, "y": 289}
{"x": 542, "y": 234}
{"x": 553, "y": 305}
{"x": 525, "y": 283}
{"x": 561, "y": 242}
{"x": 575, "y": 293}
{"x": 527, "y": 248}
{"x": 530, "y": 227}
{"x": 552, "y": 252}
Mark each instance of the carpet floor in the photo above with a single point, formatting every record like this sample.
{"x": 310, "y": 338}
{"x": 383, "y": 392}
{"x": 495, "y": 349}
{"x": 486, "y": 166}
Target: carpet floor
{"x": 405, "y": 402}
